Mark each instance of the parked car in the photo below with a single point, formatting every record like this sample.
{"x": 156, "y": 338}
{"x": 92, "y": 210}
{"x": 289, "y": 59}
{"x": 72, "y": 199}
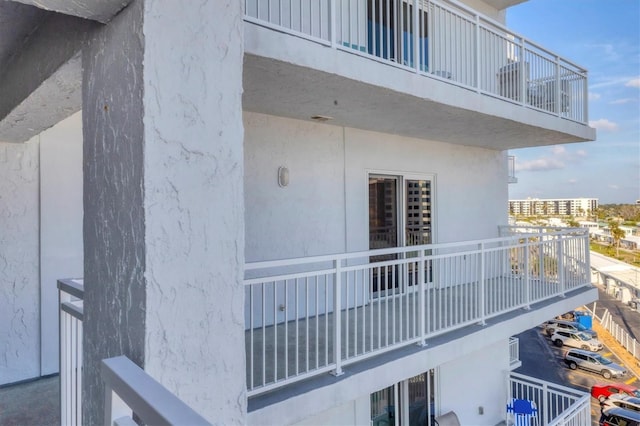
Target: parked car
{"x": 622, "y": 401}
{"x": 594, "y": 362}
{"x": 602, "y": 391}
{"x": 616, "y": 416}
{"x": 576, "y": 339}
{"x": 553, "y": 325}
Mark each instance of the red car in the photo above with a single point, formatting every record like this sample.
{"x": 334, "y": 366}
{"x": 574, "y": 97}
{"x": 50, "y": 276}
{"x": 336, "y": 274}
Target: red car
{"x": 602, "y": 391}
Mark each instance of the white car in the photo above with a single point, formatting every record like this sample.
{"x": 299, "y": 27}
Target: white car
{"x": 622, "y": 401}
{"x": 554, "y": 325}
{"x": 575, "y": 339}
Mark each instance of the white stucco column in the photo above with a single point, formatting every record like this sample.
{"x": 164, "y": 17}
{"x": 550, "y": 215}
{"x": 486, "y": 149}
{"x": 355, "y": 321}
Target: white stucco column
{"x": 163, "y": 197}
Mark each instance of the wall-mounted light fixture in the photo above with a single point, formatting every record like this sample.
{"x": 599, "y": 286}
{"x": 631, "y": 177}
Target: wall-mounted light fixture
{"x": 283, "y": 176}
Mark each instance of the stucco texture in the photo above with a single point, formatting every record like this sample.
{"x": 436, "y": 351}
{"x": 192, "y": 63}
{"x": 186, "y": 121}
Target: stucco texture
{"x": 19, "y": 275}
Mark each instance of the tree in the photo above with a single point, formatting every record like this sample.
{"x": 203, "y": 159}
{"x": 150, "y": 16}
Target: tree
{"x": 573, "y": 223}
{"x": 617, "y": 234}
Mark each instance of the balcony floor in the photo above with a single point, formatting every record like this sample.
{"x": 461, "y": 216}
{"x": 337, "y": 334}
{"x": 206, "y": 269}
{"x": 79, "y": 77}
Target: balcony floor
{"x": 258, "y": 402}
{"x": 31, "y": 403}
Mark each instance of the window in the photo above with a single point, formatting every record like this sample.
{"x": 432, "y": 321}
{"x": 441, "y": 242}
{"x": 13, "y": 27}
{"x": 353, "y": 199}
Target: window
{"x": 409, "y": 402}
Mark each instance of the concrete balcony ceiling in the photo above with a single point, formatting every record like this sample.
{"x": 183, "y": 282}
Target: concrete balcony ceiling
{"x": 40, "y": 67}
{"x": 293, "y": 77}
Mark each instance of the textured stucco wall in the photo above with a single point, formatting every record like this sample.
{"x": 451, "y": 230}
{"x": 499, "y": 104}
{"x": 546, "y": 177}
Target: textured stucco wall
{"x": 19, "y": 268}
{"x": 194, "y": 213}
{"x": 329, "y": 165}
{"x": 307, "y": 217}
{"x": 114, "y": 307}
{"x": 61, "y": 252}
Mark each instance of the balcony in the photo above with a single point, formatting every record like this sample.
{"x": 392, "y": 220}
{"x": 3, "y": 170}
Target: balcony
{"x": 446, "y": 62}
{"x": 311, "y": 316}
{"x": 406, "y": 297}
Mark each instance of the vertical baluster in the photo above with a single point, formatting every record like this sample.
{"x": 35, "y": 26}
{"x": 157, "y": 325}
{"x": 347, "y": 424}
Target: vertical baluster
{"x": 251, "y": 338}
{"x": 264, "y": 335}
{"x": 337, "y": 304}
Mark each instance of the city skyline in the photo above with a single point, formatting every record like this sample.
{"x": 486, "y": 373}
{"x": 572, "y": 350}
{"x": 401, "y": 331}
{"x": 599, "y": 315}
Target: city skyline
{"x": 605, "y": 41}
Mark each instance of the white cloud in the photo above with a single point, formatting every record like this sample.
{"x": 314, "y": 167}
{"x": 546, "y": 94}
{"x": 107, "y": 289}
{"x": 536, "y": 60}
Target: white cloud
{"x": 634, "y": 82}
{"x": 573, "y": 181}
{"x": 622, "y": 101}
{"x": 613, "y": 186}
{"x": 594, "y": 96}
{"x": 540, "y": 164}
{"x": 556, "y": 157}
{"x": 604, "y": 124}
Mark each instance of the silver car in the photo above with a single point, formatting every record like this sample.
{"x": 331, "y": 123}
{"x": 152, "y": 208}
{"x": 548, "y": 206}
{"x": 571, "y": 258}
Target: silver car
{"x": 591, "y": 361}
{"x": 553, "y": 325}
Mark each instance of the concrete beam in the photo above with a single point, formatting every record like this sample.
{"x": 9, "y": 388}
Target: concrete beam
{"x": 95, "y": 10}
{"x": 41, "y": 84}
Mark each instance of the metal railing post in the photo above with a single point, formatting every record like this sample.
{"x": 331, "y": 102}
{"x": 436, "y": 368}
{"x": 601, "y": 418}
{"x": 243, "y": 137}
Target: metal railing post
{"x": 332, "y": 23}
{"x": 557, "y": 96}
{"x": 560, "y": 255}
{"x": 416, "y": 37}
{"x": 421, "y": 300}
{"x": 337, "y": 318}
{"x": 527, "y": 277}
{"x": 585, "y": 99}
{"x": 523, "y": 78}
{"x": 481, "y": 299}
{"x": 477, "y": 53}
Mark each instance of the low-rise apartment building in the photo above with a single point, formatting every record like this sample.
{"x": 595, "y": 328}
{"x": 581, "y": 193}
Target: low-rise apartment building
{"x": 544, "y": 207}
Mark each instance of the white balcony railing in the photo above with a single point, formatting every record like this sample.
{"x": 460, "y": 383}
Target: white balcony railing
{"x": 130, "y": 390}
{"x": 514, "y": 353}
{"x": 312, "y": 315}
{"x": 445, "y": 40}
{"x": 557, "y": 405}
{"x": 294, "y": 332}
{"x": 71, "y": 295}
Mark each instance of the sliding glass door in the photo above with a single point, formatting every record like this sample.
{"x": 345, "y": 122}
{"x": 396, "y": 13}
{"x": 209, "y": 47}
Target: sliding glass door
{"x": 399, "y": 215}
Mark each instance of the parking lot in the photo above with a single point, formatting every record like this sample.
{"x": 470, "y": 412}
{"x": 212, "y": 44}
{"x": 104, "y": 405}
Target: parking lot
{"x": 541, "y": 358}
{"x": 581, "y": 378}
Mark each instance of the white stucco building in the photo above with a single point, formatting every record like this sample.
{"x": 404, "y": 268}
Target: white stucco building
{"x": 554, "y": 206}
{"x": 219, "y": 173}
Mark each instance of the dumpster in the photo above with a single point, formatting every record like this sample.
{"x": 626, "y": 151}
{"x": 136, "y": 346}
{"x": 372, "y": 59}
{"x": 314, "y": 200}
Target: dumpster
{"x": 584, "y": 318}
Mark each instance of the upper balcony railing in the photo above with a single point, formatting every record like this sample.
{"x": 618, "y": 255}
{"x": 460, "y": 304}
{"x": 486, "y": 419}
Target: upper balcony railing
{"x": 444, "y": 39}
{"x": 308, "y": 316}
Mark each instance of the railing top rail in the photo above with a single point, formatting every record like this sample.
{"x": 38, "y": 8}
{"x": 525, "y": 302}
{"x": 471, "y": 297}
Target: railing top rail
{"x": 74, "y": 310}
{"x": 550, "y": 385}
{"x": 568, "y": 232}
{"x": 151, "y": 401}
{"x": 72, "y": 286}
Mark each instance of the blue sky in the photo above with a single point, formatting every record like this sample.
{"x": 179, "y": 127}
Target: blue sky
{"x": 602, "y": 36}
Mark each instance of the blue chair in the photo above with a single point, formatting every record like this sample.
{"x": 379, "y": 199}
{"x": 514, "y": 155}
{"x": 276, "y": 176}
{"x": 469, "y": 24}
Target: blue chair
{"x": 525, "y": 412}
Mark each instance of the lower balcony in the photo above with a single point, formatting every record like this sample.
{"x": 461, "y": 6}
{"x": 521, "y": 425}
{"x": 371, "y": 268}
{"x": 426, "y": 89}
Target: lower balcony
{"x": 311, "y": 316}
